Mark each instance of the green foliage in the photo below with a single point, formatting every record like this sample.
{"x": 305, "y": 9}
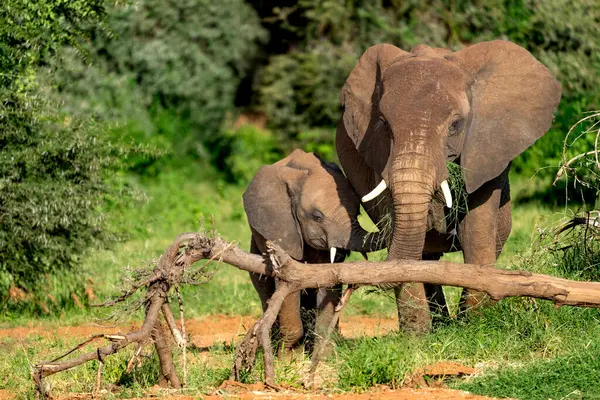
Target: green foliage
{"x": 456, "y": 181}
{"x": 32, "y": 31}
{"x": 575, "y": 248}
{"x": 318, "y": 141}
{"x": 301, "y": 89}
{"x": 57, "y": 171}
{"x": 561, "y": 377}
{"x": 243, "y": 151}
{"x": 179, "y": 58}
{"x": 54, "y": 183}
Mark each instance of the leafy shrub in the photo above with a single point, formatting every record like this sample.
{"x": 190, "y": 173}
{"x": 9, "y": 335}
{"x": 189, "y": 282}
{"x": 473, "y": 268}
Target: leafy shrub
{"x": 183, "y": 59}
{"x": 56, "y": 170}
{"x": 301, "y": 89}
{"x": 319, "y": 141}
{"x": 241, "y": 152}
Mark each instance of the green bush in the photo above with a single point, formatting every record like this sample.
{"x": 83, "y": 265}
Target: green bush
{"x": 318, "y": 140}
{"x": 300, "y": 90}
{"x": 241, "y": 152}
{"x": 56, "y": 171}
{"x": 178, "y": 60}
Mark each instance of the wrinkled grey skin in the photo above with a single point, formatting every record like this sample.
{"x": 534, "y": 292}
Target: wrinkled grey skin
{"x": 407, "y": 113}
{"x": 307, "y": 206}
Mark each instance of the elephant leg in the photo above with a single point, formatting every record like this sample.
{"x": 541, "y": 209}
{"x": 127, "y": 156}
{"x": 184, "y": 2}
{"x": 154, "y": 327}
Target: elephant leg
{"x": 413, "y": 308}
{"x": 327, "y": 300}
{"x": 308, "y": 313}
{"x": 504, "y": 220}
{"x": 290, "y": 322}
{"x": 435, "y": 295}
{"x": 478, "y": 233}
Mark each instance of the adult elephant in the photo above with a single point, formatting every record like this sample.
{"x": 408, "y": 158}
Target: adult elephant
{"x": 406, "y": 114}
{"x": 309, "y": 208}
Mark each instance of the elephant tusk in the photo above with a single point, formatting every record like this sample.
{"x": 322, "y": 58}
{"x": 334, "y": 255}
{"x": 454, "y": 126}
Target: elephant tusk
{"x": 375, "y": 192}
{"x": 447, "y": 194}
{"x": 332, "y": 254}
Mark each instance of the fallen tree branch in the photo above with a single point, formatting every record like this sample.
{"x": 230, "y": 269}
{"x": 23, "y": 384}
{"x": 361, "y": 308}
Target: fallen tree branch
{"x": 292, "y": 276}
{"x": 496, "y": 282}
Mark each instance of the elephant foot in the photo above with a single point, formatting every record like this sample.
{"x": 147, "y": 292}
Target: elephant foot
{"x": 413, "y": 308}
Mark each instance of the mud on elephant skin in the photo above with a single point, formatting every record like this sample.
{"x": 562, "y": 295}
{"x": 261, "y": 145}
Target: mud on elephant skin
{"x": 309, "y": 208}
{"x": 406, "y": 114}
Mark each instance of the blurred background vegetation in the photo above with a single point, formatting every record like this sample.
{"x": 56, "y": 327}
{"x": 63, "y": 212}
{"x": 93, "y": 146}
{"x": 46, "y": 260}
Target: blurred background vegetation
{"x": 108, "y": 106}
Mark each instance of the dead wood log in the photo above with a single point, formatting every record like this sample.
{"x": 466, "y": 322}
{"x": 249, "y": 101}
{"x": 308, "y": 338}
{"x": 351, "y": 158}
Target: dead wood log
{"x": 497, "y": 283}
{"x": 169, "y": 271}
{"x": 174, "y": 268}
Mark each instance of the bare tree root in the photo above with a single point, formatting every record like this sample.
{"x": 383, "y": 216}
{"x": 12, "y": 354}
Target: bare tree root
{"x": 169, "y": 270}
{"x": 169, "y": 375}
{"x": 261, "y": 331}
{"x": 174, "y": 268}
{"x": 261, "y": 334}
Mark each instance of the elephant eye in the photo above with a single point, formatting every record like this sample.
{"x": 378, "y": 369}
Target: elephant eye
{"x": 317, "y": 216}
{"x": 455, "y": 126}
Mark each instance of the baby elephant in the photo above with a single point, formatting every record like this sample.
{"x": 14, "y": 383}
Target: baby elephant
{"x": 308, "y": 207}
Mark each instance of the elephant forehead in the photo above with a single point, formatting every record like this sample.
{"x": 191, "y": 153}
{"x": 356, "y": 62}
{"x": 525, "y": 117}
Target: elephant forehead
{"x": 329, "y": 194}
{"x": 319, "y": 188}
{"x": 434, "y": 74}
{"x": 423, "y": 84}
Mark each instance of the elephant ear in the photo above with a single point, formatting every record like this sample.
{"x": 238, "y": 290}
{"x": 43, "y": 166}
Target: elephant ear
{"x": 513, "y": 97}
{"x": 269, "y": 206}
{"x": 299, "y": 159}
{"x": 360, "y": 97}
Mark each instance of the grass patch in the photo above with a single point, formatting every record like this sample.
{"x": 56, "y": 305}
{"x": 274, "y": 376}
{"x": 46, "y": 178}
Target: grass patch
{"x": 460, "y": 197}
{"x": 206, "y": 370}
{"x": 515, "y": 331}
{"x": 573, "y": 376}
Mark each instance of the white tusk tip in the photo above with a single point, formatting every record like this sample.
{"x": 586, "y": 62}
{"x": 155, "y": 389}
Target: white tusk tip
{"x": 332, "y": 252}
{"x": 447, "y": 195}
{"x": 375, "y": 192}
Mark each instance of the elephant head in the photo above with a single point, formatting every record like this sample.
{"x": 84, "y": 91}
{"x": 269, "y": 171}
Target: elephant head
{"x": 408, "y": 113}
{"x": 302, "y": 200}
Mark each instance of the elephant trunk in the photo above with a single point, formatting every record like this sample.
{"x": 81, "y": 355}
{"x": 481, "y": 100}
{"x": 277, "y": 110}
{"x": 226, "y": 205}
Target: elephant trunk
{"x": 364, "y": 241}
{"x": 413, "y": 180}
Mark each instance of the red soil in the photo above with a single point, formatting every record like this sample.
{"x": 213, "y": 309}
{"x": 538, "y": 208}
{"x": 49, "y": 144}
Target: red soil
{"x": 219, "y": 328}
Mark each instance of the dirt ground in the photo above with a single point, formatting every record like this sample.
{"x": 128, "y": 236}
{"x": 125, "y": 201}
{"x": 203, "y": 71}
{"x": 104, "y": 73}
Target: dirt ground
{"x": 205, "y": 331}
{"x": 219, "y": 328}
